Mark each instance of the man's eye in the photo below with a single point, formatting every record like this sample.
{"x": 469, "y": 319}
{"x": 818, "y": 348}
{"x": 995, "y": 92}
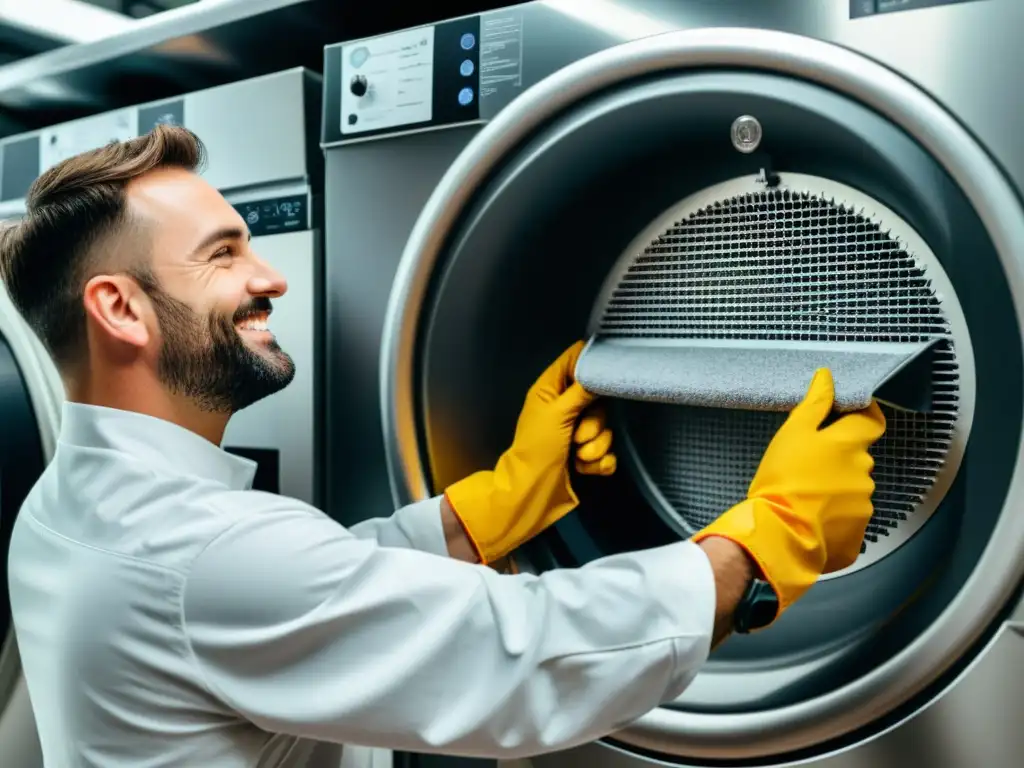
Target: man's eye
{"x": 223, "y": 253}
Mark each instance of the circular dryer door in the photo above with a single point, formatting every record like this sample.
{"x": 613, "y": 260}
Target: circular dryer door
{"x": 30, "y": 394}
{"x": 751, "y": 195}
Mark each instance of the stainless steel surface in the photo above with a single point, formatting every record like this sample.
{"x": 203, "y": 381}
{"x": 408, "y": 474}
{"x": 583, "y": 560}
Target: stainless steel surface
{"x": 373, "y": 194}
{"x": 998, "y": 571}
{"x": 288, "y": 421}
{"x": 975, "y": 723}
{"x": 261, "y": 131}
{"x": 169, "y": 54}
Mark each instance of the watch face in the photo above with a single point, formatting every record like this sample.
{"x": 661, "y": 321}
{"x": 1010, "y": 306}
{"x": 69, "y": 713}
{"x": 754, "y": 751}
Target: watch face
{"x": 759, "y": 607}
{"x": 765, "y": 607}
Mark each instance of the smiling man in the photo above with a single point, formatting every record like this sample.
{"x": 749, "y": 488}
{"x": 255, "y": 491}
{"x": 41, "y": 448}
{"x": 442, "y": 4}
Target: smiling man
{"x": 169, "y": 615}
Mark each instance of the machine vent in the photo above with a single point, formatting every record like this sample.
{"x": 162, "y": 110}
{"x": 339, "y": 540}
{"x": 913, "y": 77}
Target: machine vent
{"x": 807, "y": 261}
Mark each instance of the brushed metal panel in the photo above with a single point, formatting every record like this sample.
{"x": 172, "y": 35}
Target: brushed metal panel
{"x": 286, "y": 421}
{"x": 374, "y": 193}
{"x": 255, "y": 131}
{"x": 976, "y": 723}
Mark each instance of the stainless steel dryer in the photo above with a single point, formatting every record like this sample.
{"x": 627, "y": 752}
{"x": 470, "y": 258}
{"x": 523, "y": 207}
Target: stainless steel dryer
{"x": 30, "y": 398}
{"x": 260, "y": 136}
{"x": 724, "y": 170}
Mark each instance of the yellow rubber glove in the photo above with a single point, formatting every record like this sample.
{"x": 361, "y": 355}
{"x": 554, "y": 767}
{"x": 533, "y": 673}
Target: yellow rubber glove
{"x": 529, "y": 488}
{"x": 809, "y": 504}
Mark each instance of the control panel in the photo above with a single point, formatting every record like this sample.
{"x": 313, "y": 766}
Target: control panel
{"x": 275, "y": 215}
{"x": 418, "y": 78}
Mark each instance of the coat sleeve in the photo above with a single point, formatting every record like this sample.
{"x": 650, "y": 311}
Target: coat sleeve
{"x": 416, "y": 526}
{"x": 305, "y": 629}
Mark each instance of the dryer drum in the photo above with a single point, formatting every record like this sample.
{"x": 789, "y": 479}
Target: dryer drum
{"x": 611, "y": 199}
{"x": 808, "y": 260}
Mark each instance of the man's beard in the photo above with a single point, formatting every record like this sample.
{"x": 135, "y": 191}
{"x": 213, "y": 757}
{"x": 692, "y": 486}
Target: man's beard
{"x": 207, "y": 360}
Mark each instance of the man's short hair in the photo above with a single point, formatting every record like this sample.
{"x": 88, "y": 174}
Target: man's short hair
{"x": 77, "y": 225}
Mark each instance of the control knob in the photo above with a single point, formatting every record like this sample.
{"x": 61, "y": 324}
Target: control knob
{"x": 359, "y": 86}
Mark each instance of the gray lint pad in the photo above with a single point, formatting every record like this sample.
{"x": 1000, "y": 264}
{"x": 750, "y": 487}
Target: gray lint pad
{"x": 756, "y": 375}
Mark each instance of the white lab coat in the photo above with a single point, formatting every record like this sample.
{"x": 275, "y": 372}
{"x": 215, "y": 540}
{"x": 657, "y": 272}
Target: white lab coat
{"x": 167, "y": 615}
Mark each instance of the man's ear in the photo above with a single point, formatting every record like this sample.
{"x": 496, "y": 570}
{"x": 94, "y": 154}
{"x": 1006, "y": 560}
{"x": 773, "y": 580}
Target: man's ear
{"x": 116, "y": 305}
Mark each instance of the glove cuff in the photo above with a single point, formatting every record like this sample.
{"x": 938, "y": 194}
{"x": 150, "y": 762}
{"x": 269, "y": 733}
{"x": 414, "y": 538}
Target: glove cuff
{"x": 501, "y": 509}
{"x": 470, "y": 498}
{"x": 789, "y": 560}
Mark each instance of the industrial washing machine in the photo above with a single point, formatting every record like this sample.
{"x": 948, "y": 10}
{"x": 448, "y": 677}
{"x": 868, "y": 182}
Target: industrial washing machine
{"x": 262, "y": 154}
{"x": 718, "y": 172}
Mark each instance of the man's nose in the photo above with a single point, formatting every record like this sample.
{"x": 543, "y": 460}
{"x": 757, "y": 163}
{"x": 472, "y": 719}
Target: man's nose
{"x": 267, "y": 281}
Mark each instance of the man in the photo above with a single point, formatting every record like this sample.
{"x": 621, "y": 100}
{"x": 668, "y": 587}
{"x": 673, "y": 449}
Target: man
{"x": 167, "y": 615}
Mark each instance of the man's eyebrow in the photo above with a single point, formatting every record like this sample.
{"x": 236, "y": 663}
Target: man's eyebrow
{"x": 225, "y": 233}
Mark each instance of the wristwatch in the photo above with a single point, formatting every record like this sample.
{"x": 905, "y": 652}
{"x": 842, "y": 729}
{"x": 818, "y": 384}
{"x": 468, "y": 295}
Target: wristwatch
{"x": 757, "y": 608}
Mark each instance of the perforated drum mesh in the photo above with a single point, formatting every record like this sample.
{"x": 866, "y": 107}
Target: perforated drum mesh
{"x": 782, "y": 264}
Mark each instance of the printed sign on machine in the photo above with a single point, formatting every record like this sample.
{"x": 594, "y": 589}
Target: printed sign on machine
{"x": 387, "y": 81}
{"x": 63, "y": 141}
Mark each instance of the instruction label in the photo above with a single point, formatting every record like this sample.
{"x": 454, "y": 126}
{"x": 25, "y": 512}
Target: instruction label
{"x": 501, "y": 54}
{"x": 64, "y": 141}
{"x": 387, "y": 81}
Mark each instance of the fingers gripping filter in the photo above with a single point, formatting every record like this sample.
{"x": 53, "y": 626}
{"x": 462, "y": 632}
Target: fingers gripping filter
{"x": 711, "y": 325}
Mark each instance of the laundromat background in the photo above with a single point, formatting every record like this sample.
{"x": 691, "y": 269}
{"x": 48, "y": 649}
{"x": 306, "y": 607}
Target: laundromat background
{"x": 740, "y": 179}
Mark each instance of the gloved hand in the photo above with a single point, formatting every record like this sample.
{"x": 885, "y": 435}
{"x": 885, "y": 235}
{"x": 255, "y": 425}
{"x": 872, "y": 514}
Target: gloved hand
{"x": 529, "y": 488}
{"x": 809, "y": 504}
